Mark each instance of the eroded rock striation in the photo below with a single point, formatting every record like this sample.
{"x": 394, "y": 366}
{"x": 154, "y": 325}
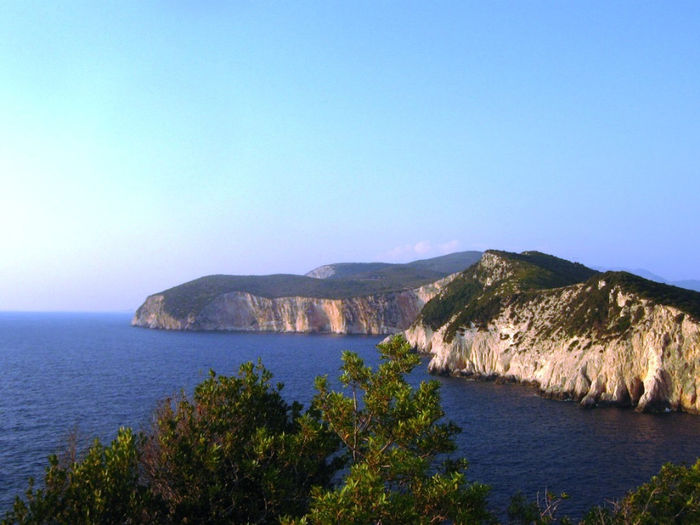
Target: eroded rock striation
{"x": 382, "y": 313}
{"x": 341, "y": 298}
{"x": 598, "y": 338}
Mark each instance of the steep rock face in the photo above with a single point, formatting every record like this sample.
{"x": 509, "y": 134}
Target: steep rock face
{"x": 242, "y": 311}
{"x": 322, "y": 272}
{"x": 639, "y": 353}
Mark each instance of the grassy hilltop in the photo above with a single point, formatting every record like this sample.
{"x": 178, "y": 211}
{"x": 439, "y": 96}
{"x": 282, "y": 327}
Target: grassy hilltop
{"x": 482, "y": 292}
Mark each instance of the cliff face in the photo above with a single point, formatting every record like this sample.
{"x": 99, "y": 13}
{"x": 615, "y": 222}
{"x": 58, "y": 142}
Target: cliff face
{"x": 322, "y": 272}
{"x": 602, "y": 341}
{"x": 242, "y": 311}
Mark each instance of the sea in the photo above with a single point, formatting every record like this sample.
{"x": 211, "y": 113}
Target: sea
{"x": 87, "y": 374}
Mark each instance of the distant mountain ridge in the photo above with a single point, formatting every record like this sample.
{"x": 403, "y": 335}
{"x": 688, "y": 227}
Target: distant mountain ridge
{"x": 599, "y": 338}
{"x": 690, "y": 284}
{"x": 444, "y": 265}
{"x": 329, "y": 302}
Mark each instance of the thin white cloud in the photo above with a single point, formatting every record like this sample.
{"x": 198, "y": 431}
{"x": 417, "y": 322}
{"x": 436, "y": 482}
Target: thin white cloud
{"x": 420, "y": 249}
{"x": 448, "y": 247}
{"x": 423, "y": 247}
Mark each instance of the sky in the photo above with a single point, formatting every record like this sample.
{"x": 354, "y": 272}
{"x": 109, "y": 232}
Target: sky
{"x": 145, "y": 144}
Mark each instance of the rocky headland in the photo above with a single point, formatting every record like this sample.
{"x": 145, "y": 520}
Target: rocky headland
{"x": 346, "y": 298}
{"x": 597, "y": 338}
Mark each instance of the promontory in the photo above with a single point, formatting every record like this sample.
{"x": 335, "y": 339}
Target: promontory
{"x": 344, "y": 298}
{"x": 575, "y": 333}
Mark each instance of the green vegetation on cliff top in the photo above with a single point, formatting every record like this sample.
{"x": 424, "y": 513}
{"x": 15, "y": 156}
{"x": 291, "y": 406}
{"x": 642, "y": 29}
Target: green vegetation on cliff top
{"x": 521, "y": 278}
{"x": 470, "y": 298}
{"x": 358, "y": 279}
{"x": 592, "y": 311}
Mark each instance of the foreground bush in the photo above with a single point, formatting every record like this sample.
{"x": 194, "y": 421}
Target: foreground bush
{"x": 670, "y": 497}
{"x": 392, "y": 435}
{"x": 102, "y": 488}
{"x": 237, "y": 452}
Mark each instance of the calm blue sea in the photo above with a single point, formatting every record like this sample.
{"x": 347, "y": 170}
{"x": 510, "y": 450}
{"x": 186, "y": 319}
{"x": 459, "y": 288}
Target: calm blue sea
{"x": 94, "y": 372}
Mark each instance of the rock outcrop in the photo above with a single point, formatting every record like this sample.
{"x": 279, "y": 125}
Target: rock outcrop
{"x": 614, "y": 338}
{"x": 385, "y": 313}
{"x": 322, "y": 272}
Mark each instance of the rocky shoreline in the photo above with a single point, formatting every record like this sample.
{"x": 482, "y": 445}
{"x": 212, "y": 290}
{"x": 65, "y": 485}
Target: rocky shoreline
{"x": 646, "y": 355}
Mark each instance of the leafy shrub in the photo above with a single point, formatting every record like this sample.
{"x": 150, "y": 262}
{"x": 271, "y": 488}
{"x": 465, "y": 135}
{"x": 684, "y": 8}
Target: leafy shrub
{"x": 392, "y": 435}
{"x": 670, "y": 497}
{"x": 103, "y": 487}
{"x": 237, "y": 452}
{"x": 542, "y": 511}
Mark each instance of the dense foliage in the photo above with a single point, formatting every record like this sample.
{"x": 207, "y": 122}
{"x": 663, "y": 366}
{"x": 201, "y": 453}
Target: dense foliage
{"x": 468, "y": 300}
{"x": 236, "y": 452}
{"x": 376, "y": 451}
{"x": 458, "y": 293}
{"x": 354, "y": 280}
{"x": 392, "y": 435}
{"x": 103, "y": 487}
{"x": 687, "y": 301}
{"x": 670, "y": 497}
{"x": 537, "y": 270}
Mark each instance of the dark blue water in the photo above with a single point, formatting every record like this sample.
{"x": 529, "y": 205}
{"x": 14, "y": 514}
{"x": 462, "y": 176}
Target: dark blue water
{"x": 94, "y": 372}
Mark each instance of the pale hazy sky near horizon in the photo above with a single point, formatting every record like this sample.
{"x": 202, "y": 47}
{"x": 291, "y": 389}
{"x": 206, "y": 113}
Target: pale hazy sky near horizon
{"x": 144, "y": 144}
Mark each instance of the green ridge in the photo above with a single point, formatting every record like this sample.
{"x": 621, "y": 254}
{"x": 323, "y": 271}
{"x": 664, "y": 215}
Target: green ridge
{"x": 468, "y": 300}
{"x": 592, "y": 311}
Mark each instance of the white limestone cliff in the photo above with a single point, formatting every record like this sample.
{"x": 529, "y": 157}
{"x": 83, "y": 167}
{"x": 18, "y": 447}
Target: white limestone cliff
{"x": 654, "y": 365}
{"x": 322, "y": 272}
{"x": 242, "y": 311}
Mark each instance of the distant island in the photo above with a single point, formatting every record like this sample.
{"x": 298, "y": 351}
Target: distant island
{"x": 576, "y": 333}
{"x": 344, "y": 298}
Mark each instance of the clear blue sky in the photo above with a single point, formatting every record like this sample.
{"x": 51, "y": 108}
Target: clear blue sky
{"x": 143, "y": 144}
